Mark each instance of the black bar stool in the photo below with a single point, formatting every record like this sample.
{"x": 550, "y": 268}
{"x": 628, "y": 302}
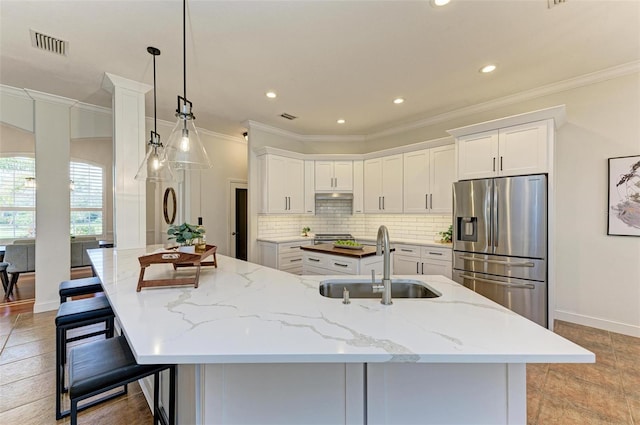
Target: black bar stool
{"x": 73, "y": 315}
{"x": 100, "y": 366}
{"x": 77, "y": 287}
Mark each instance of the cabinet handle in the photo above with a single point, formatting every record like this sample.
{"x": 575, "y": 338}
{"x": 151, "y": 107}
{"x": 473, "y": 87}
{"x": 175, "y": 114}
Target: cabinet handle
{"x": 494, "y": 163}
{"x": 435, "y": 253}
{"x": 422, "y": 272}
{"x": 406, "y": 250}
{"x": 431, "y": 201}
{"x": 295, "y": 259}
{"x": 286, "y": 205}
{"x": 379, "y": 202}
{"x": 417, "y": 267}
{"x": 383, "y": 202}
{"x": 426, "y": 201}
{"x": 500, "y": 163}
{"x": 315, "y": 260}
{"x": 294, "y": 247}
{"x": 341, "y": 264}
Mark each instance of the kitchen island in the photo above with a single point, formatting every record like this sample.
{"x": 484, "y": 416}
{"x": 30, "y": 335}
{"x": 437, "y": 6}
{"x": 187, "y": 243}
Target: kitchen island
{"x": 257, "y": 345}
{"x": 327, "y": 259}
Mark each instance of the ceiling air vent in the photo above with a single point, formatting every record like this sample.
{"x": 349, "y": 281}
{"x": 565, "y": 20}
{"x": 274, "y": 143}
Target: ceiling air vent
{"x": 48, "y": 43}
{"x": 288, "y": 116}
{"x": 552, "y": 3}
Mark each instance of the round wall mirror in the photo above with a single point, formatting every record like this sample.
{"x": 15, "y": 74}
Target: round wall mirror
{"x": 169, "y": 205}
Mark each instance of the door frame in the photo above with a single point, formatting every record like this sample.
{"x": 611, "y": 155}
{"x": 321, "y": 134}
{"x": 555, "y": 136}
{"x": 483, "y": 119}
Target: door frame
{"x": 233, "y": 185}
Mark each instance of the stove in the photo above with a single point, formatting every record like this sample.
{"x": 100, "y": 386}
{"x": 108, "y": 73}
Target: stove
{"x": 331, "y": 237}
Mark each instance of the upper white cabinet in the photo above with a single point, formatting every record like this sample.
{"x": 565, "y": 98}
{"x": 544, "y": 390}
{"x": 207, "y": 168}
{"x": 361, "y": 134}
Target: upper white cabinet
{"x": 334, "y": 176}
{"x": 383, "y": 184}
{"x": 282, "y": 181}
{"x": 510, "y": 151}
{"x": 309, "y": 187}
{"x": 428, "y": 178}
{"x": 358, "y": 187}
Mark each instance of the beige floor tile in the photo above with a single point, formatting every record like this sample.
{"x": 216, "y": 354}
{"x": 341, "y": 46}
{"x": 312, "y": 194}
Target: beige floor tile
{"x": 26, "y": 390}
{"x": 536, "y": 375}
{"x": 626, "y": 345}
{"x": 23, "y": 336}
{"x": 561, "y": 412}
{"x": 533, "y": 406}
{"x": 39, "y": 412}
{"x": 30, "y": 349}
{"x": 7, "y": 323}
{"x": 608, "y": 377}
{"x": 594, "y": 398}
{"x": 634, "y": 405}
{"x": 28, "y": 367}
{"x": 3, "y": 340}
{"x": 592, "y": 339}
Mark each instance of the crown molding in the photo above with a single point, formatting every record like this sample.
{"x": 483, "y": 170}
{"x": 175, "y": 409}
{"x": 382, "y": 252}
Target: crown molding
{"x": 111, "y": 81}
{"x": 13, "y": 91}
{"x": 302, "y": 137}
{"x": 93, "y": 108}
{"x": 51, "y": 98}
{"x": 572, "y": 83}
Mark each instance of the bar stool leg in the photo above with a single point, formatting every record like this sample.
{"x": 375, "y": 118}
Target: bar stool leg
{"x": 172, "y": 395}
{"x": 59, "y": 373}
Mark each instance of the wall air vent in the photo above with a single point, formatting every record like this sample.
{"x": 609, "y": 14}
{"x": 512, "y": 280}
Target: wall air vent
{"x": 288, "y": 116}
{"x": 48, "y": 43}
{"x": 552, "y": 3}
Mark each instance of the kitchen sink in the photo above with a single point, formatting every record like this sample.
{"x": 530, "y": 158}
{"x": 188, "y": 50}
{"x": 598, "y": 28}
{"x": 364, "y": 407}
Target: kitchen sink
{"x": 363, "y": 288}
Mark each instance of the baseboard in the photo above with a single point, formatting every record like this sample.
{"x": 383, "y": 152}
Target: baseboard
{"x": 46, "y": 306}
{"x": 594, "y": 322}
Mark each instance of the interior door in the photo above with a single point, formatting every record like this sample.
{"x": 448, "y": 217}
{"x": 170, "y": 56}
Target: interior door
{"x": 238, "y": 220}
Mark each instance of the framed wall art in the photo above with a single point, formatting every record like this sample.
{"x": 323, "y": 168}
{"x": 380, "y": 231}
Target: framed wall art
{"x": 624, "y": 196}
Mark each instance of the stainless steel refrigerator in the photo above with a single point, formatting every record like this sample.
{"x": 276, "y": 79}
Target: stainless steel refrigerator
{"x": 500, "y": 241}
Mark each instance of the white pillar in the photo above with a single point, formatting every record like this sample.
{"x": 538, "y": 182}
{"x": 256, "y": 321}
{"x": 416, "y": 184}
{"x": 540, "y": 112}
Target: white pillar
{"x": 53, "y": 257}
{"x": 129, "y": 195}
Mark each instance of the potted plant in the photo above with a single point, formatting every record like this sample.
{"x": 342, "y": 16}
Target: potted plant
{"x": 186, "y": 235}
{"x": 447, "y": 235}
{"x": 305, "y": 231}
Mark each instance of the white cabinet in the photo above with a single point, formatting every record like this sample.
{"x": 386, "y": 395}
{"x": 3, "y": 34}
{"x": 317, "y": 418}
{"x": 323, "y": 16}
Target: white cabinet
{"x": 283, "y": 256}
{"x": 282, "y": 181}
{"x": 383, "y": 184}
{"x": 427, "y": 260}
{"x": 309, "y": 187}
{"x": 428, "y": 178}
{"x": 334, "y": 176}
{"x": 358, "y": 187}
{"x": 517, "y": 150}
{"x": 316, "y": 263}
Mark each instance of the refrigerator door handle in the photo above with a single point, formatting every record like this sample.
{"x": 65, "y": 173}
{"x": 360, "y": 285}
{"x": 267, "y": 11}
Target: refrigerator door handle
{"x": 495, "y": 282}
{"x": 496, "y": 212}
{"x": 504, "y": 263}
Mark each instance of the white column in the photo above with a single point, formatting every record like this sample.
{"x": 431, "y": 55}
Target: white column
{"x": 53, "y": 257}
{"x": 129, "y": 195}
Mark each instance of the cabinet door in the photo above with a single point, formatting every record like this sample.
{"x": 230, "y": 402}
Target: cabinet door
{"x": 416, "y": 181}
{"x": 343, "y": 175}
{"x": 523, "y": 149}
{"x": 373, "y": 185}
{"x": 437, "y": 267}
{"x": 405, "y": 265}
{"x": 358, "y": 187}
{"x": 442, "y": 175}
{"x": 309, "y": 187}
{"x": 324, "y": 175}
{"x": 477, "y": 155}
{"x": 392, "y": 184}
{"x": 276, "y": 176}
{"x": 295, "y": 185}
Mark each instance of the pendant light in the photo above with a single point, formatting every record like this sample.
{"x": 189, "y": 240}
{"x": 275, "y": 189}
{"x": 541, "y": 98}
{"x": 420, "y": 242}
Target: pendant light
{"x": 154, "y": 167}
{"x": 184, "y": 148}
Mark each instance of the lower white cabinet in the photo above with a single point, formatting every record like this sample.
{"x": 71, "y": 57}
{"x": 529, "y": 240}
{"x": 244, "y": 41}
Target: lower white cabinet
{"x": 428, "y": 260}
{"x": 283, "y": 256}
{"x": 314, "y": 263}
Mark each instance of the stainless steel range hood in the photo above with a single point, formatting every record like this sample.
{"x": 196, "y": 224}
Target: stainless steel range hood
{"x": 337, "y": 196}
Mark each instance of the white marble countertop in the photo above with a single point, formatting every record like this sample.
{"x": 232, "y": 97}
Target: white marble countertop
{"x": 247, "y": 313}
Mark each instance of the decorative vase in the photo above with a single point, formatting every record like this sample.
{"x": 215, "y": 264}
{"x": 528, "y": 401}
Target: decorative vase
{"x": 190, "y": 249}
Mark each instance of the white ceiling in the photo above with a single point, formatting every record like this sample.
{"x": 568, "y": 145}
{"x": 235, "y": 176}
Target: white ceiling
{"x": 325, "y": 59}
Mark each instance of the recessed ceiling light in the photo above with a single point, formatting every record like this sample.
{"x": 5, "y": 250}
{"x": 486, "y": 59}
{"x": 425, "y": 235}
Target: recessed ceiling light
{"x": 398, "y": 100}
{"x": 341, "y": 121}
{"x": 487, "y": 69}
{"x": 271, "y": 94}
{"x": 440, "y": 2}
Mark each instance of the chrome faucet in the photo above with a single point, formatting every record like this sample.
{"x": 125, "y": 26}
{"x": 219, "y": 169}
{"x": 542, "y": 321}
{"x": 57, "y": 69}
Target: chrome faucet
{"x": 382, "y": 248}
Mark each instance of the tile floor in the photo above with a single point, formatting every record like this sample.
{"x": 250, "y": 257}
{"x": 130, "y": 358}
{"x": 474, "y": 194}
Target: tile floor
{"x": 607, "y": 392}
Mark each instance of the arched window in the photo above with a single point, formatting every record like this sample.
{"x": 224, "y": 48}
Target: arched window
{"x": 18, "y": 198}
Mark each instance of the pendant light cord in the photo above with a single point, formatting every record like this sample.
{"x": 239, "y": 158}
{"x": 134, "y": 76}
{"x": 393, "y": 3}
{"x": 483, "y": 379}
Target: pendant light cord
{"x": 184, "y": 46}
{"x": 155, "y": 115}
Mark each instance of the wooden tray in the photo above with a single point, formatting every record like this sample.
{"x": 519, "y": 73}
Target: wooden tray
{"x": 177, "y": 259}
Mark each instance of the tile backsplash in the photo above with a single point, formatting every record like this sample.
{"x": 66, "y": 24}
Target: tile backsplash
{"x": 335, "y": 217}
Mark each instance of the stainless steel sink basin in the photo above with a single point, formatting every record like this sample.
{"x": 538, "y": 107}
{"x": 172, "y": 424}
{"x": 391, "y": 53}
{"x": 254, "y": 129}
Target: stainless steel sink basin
{"x": 359, "y": 288}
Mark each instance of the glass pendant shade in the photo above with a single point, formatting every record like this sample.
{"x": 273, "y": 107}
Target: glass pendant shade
{"x": 184, "y": 148}
{"x": 155, "y": 168}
